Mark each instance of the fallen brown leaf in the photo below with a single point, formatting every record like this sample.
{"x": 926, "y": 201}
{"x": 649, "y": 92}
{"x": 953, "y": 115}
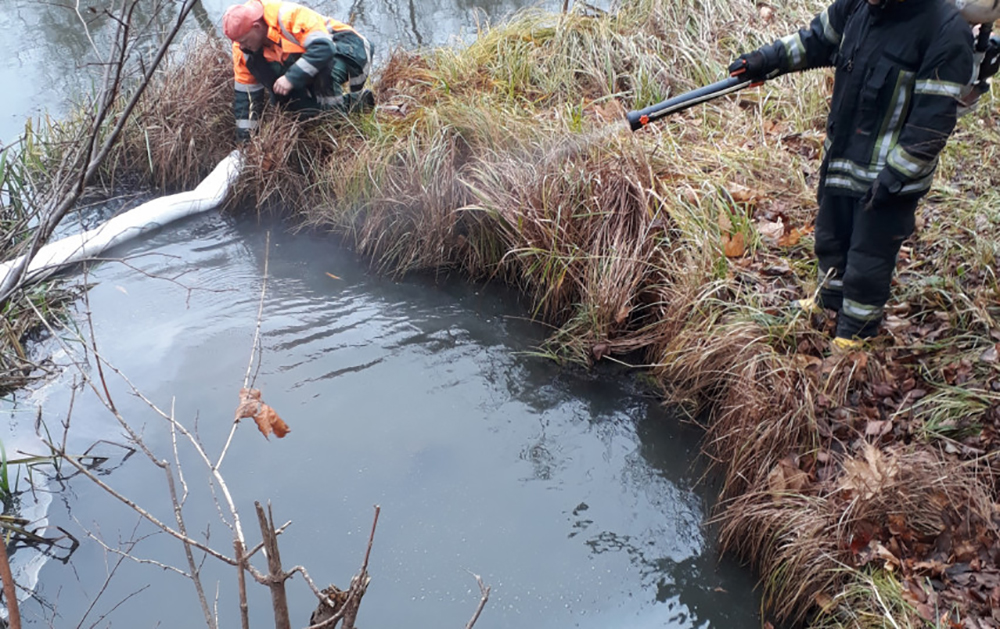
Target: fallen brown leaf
{"x": 733, "y": 246}
{"x": 990, "y": 355}
{"x": 771, "y": 230}
{"x": 742, "y": 194}
{"x": 878, "y": 428}
{"x": 267, "y": 420}
{"x": 792, "y": 237}
{"x": 600, "y": 350}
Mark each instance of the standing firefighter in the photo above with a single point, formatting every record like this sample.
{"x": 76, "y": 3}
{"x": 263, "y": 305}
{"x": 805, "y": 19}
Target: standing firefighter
{"x": 901, "y": 66}
{"x": 302, "y": 57}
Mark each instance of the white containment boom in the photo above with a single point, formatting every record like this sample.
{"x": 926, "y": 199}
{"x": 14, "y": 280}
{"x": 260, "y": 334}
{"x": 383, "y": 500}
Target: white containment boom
{"x": 149, "y": 216}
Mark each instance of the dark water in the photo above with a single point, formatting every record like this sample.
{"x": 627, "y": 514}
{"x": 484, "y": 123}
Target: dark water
{"x": 573, "y": 495}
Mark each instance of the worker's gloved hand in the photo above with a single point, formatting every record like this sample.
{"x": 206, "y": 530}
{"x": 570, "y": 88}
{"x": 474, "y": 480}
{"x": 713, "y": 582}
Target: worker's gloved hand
{"x": 759, "y": 65}
{"x": 883, "y": 191}
{"x": 991, "y": 59}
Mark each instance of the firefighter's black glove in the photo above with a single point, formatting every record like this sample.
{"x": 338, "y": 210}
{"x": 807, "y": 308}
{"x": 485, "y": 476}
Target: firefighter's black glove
{"x": 991, "y": 59}
{"x": 759, "y": 65}
{"x": 883, "y": 192}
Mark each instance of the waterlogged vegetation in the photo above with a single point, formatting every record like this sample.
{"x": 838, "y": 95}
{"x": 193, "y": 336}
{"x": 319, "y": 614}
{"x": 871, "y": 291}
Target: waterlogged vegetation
{"x": 23, "y": 170}
{"x": 862, "y": 487}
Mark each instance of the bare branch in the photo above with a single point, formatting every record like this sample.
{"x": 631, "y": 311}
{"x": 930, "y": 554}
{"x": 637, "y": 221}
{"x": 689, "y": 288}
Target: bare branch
{"x": 127, "y": 554}
{"x": 9, "y": 589}
{"x": 276, "y": 576}
{"x": 242, "y": 581}
{"x": 359, "y": 585}
{"x": 145, "y": 514}
{"x": 485, "y": 591}
{"x": 255, "y": 348}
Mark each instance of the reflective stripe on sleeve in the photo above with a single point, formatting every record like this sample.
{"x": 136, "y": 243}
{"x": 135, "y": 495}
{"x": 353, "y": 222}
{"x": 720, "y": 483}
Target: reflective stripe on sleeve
{"x": 285, "y": 7}
{"x": 247, "y": 124}
{"x": 316, "y": 36}
{"x": 939, "y": 88}
{"x": 243, "y": 87}
{"x": 359, "y": 80}
{"x": 795, "y": 49}
{"x": 306, "y": 67}
{"x": 911, "y": 166}
{"x": 331, "y": 101}
{"x": 837, "y": 181}
{"x": 829, "y": 32}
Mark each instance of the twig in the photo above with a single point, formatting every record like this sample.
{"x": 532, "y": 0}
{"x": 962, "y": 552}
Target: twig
{"x": 118, "y": 604}
{"x": 485, "y": 590}
{"x": 145, "y": 514}
{"x": 359, "y": 584}
{"x": 278, "y": 531}
{"x": 371, "y": 539}
{"x": 276, "y": 576}
{"x": 111, "y": 573}
{"x": 254, "y": 348}
{"x": 242, "y": 581}
{"x": 179, "y": 516}
{"x": 177, "y": 457}
{"x": 9, "y": 589}
{"x": 139, "y": 560}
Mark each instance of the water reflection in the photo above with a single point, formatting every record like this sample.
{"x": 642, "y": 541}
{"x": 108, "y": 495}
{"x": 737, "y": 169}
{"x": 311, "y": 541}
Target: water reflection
{"x": 60, "y": 62}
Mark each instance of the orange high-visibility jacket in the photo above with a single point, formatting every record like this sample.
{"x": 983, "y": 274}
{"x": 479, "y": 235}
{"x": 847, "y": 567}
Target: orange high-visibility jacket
{"x": 292, "y": 30}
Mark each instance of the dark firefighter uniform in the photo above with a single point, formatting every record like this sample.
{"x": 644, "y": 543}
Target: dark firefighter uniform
{"x": 316, "y": 54}
{"x": 900, "y": 67}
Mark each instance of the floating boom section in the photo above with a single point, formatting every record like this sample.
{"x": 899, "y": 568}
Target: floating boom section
{"x": 151, "y": 215}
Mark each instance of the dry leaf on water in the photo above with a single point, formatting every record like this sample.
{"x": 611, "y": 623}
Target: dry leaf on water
{"x": 268, "y": 421}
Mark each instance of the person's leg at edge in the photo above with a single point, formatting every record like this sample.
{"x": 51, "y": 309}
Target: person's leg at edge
{"x": 871, "y": 262}
{"x": 834, "y": 225}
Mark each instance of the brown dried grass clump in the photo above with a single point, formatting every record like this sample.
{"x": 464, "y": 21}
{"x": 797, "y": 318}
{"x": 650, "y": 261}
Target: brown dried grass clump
{"x": 755, "y": 403}
{"x": 904, "y": 508}
{"x": 183, "y": 125}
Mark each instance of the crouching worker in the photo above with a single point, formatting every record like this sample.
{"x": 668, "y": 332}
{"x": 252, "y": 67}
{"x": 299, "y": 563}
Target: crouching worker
{"x": 302, "y": 57}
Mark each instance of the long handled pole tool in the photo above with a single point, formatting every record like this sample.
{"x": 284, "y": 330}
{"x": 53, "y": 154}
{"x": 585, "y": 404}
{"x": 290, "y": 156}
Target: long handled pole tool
{"x": 642, "y": 117}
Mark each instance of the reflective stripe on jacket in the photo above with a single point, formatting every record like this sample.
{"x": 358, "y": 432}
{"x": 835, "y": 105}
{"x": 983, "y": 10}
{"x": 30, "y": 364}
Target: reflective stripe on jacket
{"x": 898, "y": 77}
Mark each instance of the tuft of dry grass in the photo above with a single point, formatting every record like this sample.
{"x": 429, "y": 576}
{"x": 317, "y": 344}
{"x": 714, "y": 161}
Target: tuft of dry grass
{"x": 184, "y": 124}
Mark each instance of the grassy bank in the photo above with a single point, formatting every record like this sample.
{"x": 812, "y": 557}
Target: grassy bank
{"x": 861, "y": 486}
{"x": 23, "y": 168}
